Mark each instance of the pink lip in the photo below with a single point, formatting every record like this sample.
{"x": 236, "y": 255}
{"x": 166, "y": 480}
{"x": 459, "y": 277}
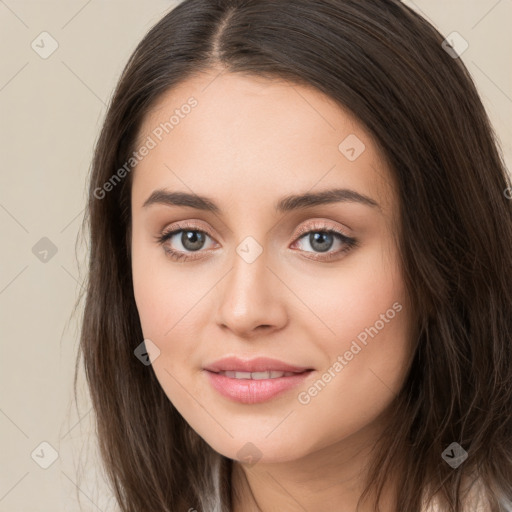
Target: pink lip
{"x": 259, "y": 364}
{"x": 249, "y": 391}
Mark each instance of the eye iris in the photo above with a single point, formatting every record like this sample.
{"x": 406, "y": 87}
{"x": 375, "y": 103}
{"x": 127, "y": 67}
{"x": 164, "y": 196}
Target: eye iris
{"x": 318, "y": 241}
{"x": 192, "y": 240}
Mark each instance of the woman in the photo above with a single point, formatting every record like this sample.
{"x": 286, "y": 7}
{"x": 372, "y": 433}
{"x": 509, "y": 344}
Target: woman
{"x": 299, "y": 292}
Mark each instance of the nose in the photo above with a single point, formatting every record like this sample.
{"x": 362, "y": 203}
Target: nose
{"x": 252, "y": 300}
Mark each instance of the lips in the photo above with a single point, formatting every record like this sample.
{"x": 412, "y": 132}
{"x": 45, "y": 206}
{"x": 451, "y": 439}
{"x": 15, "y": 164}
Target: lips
{"x": 256, "y": 380}
{"x": 259, "y": 364}
{"x": 256, "y": 375}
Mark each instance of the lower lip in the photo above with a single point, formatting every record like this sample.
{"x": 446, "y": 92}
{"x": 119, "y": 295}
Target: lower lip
{"x": 249, "y": 391}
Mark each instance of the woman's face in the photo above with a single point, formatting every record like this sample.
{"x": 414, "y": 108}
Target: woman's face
{"x": 272, "y": 265}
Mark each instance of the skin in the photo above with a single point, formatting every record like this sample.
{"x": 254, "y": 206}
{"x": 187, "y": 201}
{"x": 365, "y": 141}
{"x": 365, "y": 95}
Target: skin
{"x": 249, "y": 142}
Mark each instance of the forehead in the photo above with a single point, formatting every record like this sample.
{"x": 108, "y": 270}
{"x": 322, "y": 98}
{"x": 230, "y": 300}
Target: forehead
{"x": 237, "y": 135}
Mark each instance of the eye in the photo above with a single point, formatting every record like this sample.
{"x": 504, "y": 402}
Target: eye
{"x": 187, "y": 239}
{"x": 321, "y": 238}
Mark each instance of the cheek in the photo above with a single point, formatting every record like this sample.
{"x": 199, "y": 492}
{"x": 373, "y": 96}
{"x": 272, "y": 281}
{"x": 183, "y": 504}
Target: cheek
{"x": 162, "y": 291}
{"x": 368, "y": 350}
{"x": 171, "y": 303}
{"x": 150, "y": 297}
{"x": 169, "y": 311}
{"x": 363, "y": 373}
{"x": 359, "y": 297}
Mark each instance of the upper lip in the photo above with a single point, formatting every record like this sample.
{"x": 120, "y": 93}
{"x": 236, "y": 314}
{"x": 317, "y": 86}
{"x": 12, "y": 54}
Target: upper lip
{"x": 258, "y": 364}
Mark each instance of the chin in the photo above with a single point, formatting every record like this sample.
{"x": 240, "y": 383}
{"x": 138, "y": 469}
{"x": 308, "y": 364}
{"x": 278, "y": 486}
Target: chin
{"x": 252, "y": 448}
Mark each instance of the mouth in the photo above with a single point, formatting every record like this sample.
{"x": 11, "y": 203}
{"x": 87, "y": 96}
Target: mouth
{"x": 256, "y": 375}
{"x": 256, "y": 380}
{"x": 255, "y": 365}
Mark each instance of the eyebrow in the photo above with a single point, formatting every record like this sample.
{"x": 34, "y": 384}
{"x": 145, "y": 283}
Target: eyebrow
{"x": 286, "y": 204}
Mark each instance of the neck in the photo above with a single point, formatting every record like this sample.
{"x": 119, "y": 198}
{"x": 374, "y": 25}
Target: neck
{"x": 330, "y": 478}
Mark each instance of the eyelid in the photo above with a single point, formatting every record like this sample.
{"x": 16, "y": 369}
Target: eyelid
{"x": 318, "y": 225}
{"x": 194, "y": 225}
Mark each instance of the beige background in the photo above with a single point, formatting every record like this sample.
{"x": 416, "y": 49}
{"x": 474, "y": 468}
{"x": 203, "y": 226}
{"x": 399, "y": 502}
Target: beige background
{"x": 51, "y": 112}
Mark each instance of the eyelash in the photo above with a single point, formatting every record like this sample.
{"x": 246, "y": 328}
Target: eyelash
{"x": 317, "y": 227}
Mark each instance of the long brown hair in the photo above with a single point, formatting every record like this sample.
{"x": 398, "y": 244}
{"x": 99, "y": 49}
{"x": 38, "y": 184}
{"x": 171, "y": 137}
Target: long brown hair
{"x": 387, "y": 65}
